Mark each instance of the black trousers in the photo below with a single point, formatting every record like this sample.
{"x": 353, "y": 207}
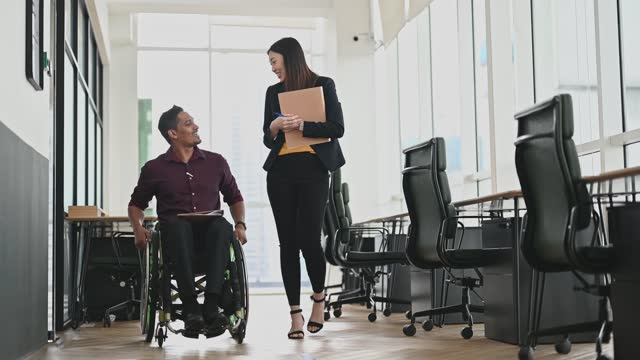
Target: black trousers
{"x": 298, "y": 186}
{"x": 210, "y": 240}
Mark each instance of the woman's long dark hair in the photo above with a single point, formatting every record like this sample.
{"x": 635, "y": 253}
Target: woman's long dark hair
{"x": 297, "y": 73}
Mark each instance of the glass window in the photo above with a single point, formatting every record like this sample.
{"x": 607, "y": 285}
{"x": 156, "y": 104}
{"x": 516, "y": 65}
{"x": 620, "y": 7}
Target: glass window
{"x": 68, "y": 20}
{"x": 565, "y": 59}
{"x": 69, "y": 133}
{"x": 237, "y": 99}
{"x": 99, "y": 86}
{"x": 445, "y": 73}
{"x": 92, "y": 66}
{"x": 173, "y": 30}
{"x": 81, "y": 147}
{"x": 409, "y": 86}
{"x": 99, "y": 164}
{"x": 632, "y": 154}
{"x": 91, "y": 157}
{"x": 81, "y": 54}
{"x": 590, "y": 164}
{"x": 630, "y": 28}
{"x": 481, "y": 86}
{"x": 186, "y": 86}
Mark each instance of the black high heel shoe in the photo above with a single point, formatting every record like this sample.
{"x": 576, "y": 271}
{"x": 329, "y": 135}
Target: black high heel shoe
{"x": 291, "y": 334}
{"x": 313, "y": 323}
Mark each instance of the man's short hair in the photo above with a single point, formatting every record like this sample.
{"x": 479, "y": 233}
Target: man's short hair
{"x": 169, "y": 121}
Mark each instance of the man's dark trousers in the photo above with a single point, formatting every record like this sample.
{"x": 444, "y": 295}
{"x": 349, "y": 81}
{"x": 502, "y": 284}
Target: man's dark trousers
{"x": 205, "y": 243}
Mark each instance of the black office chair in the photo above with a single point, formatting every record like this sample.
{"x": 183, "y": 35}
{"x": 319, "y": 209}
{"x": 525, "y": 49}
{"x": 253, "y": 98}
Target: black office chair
{"x": 561, "y": 228}
{"x": 432, "y": 233}
{"x": 329, "y": 230}
{"x": 346, "y": 252}
{"x": 124, "y": 266}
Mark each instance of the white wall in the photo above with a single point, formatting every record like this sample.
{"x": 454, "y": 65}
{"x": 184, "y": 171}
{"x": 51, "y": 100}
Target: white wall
{"x": 121, "y": 120}
{"x": 24, "y": 110}
{"x": 356, "y": 90}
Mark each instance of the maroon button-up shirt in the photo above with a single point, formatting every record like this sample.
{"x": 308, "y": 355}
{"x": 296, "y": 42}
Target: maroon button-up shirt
{"x": 185, "y": 187}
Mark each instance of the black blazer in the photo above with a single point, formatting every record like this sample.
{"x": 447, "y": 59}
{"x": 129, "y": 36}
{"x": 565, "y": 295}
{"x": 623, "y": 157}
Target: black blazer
{"x": 329, "y": 153}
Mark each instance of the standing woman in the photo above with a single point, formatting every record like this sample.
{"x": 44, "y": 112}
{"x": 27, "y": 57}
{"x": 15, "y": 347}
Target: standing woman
{"x": 298, "y": 178}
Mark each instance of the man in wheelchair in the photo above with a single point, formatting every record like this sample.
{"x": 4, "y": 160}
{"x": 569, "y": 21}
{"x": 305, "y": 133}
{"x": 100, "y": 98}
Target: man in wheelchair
{"x": 187, "y": 179}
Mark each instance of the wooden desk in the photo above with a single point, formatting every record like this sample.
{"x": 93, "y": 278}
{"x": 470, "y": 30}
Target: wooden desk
{"x": 84, "y": 230}
{"x": 505, "y": 195}
{"x": 614, "y": 184}
{"x": 613, "y": 175}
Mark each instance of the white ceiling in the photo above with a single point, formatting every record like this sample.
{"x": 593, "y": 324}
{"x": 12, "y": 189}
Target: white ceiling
{"x": 224, "y": 7}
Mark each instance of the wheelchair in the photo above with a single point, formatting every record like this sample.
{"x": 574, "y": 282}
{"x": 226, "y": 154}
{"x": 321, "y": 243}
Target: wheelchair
{"x": 159, "y": 294}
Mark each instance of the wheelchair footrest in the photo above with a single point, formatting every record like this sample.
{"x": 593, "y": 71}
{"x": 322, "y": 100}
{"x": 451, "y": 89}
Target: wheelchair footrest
{"x": 209, "y": 333}
{"x": 191, "y": 334}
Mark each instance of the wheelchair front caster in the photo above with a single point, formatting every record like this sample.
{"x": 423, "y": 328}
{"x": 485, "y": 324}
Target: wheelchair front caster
{"x": 427, "y": 325}
{"x": 525, "y": 353}
{"x": 467, "y": 333}
{"x": 106, "y": 322}
{"x": 327, "y": 315}
{"x": 409, "y": 330}
{"x": 563, "y": 346}
{"x": 337, "y": 312}
{"x": 408, "y": 314}
{"x": 386, "y": 312}
{"x": 160, "y": 337}
{"x": 372, "y": 317}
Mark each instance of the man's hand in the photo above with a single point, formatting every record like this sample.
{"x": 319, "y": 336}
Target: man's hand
{"x": 241, "y": 234}
{"x": 142, "y": 237}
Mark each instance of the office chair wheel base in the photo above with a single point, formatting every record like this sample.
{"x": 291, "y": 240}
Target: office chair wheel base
{"x": 563, "y": 346}
{"x": 372, "y": 317}
{"x": 160, "y": 337}
{"x": 525, "y": 353}
{"x": 337, "y": 313}
{"x": 327, "y": 315}
{"x": 427, "y": 325}
{"x": 409, "y": 330}
{"x": 408, "y": 314}
{"x": 603, "y": 357}
{"x": 386, "y": 312}
{"x": 467, "y": 333}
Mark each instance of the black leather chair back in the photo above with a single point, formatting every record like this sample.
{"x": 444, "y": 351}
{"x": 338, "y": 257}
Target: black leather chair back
{"x": 428, "y": 198}
{"x": 549, "y": 174}
{"x": 329, "y": 228}
{"x": 347, "y": 209}
{"x": 336, "y": 204}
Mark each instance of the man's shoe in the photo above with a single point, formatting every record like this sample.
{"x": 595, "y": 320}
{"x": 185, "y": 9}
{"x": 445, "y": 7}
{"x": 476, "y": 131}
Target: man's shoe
{"x": 193, "y": 323}
{"x": 216, "y": 324}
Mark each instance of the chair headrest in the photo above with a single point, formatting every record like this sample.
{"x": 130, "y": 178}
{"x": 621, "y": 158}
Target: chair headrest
{"x": 441, "y": 153}
{"x": 424, "y": 153}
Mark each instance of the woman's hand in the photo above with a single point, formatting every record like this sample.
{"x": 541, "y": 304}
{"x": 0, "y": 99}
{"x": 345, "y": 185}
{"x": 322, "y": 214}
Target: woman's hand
{"x": 291, "y": 123}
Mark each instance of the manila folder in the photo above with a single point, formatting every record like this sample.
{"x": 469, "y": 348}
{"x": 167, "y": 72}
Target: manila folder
{"x": 308, "y": 104}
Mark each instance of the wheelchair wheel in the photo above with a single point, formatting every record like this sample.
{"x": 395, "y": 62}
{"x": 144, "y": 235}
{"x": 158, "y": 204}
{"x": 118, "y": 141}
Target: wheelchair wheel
{"x": 149, "y": 291}
{"x": 239, "y": 274}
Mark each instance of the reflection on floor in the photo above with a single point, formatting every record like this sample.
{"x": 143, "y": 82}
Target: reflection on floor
{"x": 350, "y": 337}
